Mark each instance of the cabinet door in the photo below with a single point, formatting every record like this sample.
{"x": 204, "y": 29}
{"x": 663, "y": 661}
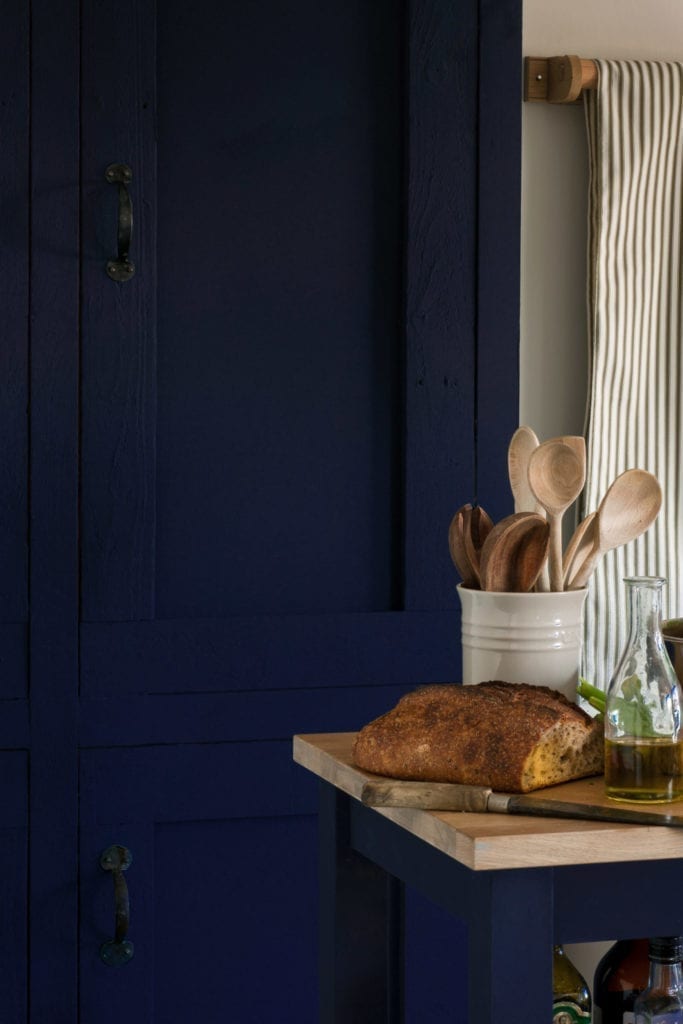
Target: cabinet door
{"x": 222, "y": 910}
{"x": 280, "y": 412}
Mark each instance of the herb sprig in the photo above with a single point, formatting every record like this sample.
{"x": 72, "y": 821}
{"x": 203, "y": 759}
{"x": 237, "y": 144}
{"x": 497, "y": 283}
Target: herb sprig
{"x": 634, "y": 717}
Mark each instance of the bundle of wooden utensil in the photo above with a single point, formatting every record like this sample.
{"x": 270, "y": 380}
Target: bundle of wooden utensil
{"x": 524, "y": 550}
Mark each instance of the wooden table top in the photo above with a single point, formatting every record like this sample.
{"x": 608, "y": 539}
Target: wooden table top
{"x": 485, "y": 842}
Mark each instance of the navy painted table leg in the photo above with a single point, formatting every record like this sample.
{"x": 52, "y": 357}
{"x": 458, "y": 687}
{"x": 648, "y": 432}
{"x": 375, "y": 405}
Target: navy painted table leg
{"x": 510, "y": 940}
{"x": 361, "y": 927}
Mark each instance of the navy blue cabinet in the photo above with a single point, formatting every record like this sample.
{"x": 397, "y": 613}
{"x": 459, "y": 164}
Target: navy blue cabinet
{"x": 243, "y": 460}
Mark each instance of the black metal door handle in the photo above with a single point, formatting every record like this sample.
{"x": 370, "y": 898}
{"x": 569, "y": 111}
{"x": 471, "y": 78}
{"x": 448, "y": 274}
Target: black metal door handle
{"x": 119, "y": 950}
{"x": 121, "y": 269}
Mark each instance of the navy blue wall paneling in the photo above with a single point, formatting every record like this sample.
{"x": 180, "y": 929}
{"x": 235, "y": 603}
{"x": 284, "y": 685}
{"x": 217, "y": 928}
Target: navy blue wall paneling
{"x": 499, "y": 191}
{"x": 440, "y": 300}
{"x": 14, "y": 290}
{"x": 119, "y": 320}
{"x": 54, "y": 510}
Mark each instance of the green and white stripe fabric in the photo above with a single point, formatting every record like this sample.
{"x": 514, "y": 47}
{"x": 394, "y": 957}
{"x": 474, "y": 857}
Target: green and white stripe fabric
{"x": 634, "y": 410}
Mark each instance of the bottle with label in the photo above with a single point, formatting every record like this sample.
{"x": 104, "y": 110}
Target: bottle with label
{"x": 571, "y": 997}
{"x": 643, "y": 735}
{"x": 621, "y": 975}
{"x": 662, "y": 1001}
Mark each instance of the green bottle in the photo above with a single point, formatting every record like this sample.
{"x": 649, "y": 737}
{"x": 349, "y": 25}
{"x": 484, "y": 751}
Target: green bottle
{"x": 571, "y": 996}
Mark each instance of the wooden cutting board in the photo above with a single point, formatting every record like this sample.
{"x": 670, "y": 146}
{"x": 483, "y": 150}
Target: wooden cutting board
{"x": 486, "y": 841}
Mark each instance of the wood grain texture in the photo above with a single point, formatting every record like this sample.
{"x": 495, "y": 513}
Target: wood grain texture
{"x": 494, "y": 841}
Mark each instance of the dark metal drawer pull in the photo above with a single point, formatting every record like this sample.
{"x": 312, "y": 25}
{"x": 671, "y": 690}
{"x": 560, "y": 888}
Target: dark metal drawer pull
{"x": 122, "y": 269}
{"x": 119, "y": 950}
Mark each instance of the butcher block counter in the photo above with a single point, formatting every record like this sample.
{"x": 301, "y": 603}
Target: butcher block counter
{"x": 521, "y": 883}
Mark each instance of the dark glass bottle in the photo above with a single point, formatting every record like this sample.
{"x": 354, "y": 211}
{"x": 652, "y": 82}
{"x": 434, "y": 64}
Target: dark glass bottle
{"x": 571, "y": 996}
{"x": 621, "y": 975}
{"x": 662, "y": 1001}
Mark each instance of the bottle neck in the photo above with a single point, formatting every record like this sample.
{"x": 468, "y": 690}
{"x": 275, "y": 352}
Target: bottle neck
{"x": 645, "y": 604}
{"x": 666, "y": 977}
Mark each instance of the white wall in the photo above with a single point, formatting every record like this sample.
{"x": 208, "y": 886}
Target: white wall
{"x": 554, "y": 197}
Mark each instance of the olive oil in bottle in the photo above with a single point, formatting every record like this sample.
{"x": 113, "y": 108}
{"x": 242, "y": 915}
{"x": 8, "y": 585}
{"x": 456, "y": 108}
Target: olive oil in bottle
{"x": 644, "y": 769}
{"x": 571, "y": 997}
{"x": 621, "y": 975}
{"x": 643, "y": 706}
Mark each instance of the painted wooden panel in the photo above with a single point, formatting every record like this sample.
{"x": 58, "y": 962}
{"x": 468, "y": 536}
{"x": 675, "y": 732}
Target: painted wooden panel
{"x": 14, "y": 886}
{"x": 211, "y": 717}
{"x": 254, "y": 653}
{"x": 118, "y": 320}
{"x": 14, "y": 301}
{"x": 278, "y": 404}
{"x": 279, "y": 414}
{"x": 499, "y": 181}
{"x": 53, "y": 489}
{"x": 223, "y": 839}
{"x": 14, "y": 922}
{"x": 193, "y": 782}
{"x": 242, "y": 949}
{"x": 440, "y": 299}
{"x": 13, "y": 660}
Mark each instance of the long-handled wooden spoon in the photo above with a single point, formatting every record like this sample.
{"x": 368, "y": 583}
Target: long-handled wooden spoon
{"x": 523, "y": 442}
{"x": 514, "y": 553}
{"x": 456, "y": 547}
{"x": 556, "y": 478}
{"x": 578, "y": 547}
{"x": 630, "y": 505}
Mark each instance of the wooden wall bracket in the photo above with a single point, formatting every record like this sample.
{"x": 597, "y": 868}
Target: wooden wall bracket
{"x": 558, "y": 79}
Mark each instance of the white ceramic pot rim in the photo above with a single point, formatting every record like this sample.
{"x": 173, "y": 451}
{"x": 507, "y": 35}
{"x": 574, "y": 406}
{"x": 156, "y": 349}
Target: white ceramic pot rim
{"x": 533, "y": 595}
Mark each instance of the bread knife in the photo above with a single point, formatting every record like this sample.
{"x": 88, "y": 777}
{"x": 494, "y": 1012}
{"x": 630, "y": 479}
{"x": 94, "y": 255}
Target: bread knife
{"x": 450, "y": 796}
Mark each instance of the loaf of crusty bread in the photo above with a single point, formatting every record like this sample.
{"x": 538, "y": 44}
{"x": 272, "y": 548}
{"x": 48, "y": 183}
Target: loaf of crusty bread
{"x": 510, "y": 736}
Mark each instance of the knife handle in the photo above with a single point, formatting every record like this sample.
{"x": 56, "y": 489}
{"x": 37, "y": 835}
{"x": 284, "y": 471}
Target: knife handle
{"x": 426, "y": 796}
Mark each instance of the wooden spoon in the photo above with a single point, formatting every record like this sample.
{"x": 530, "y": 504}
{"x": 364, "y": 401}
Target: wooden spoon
{"x": 456, "y": 546}
{"x": 476, "y": 529}
{"x": 578, "y": 547}
{"x": 575, "y": 441}
{"x": 514, "y": 553}
{"x": 556, "y": 478}
{"x": 630, "y": 505}
{"x": 522, "y": 444}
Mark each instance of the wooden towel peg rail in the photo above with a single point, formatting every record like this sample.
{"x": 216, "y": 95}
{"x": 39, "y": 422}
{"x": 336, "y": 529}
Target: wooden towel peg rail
{"x": 558, "y": 79}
